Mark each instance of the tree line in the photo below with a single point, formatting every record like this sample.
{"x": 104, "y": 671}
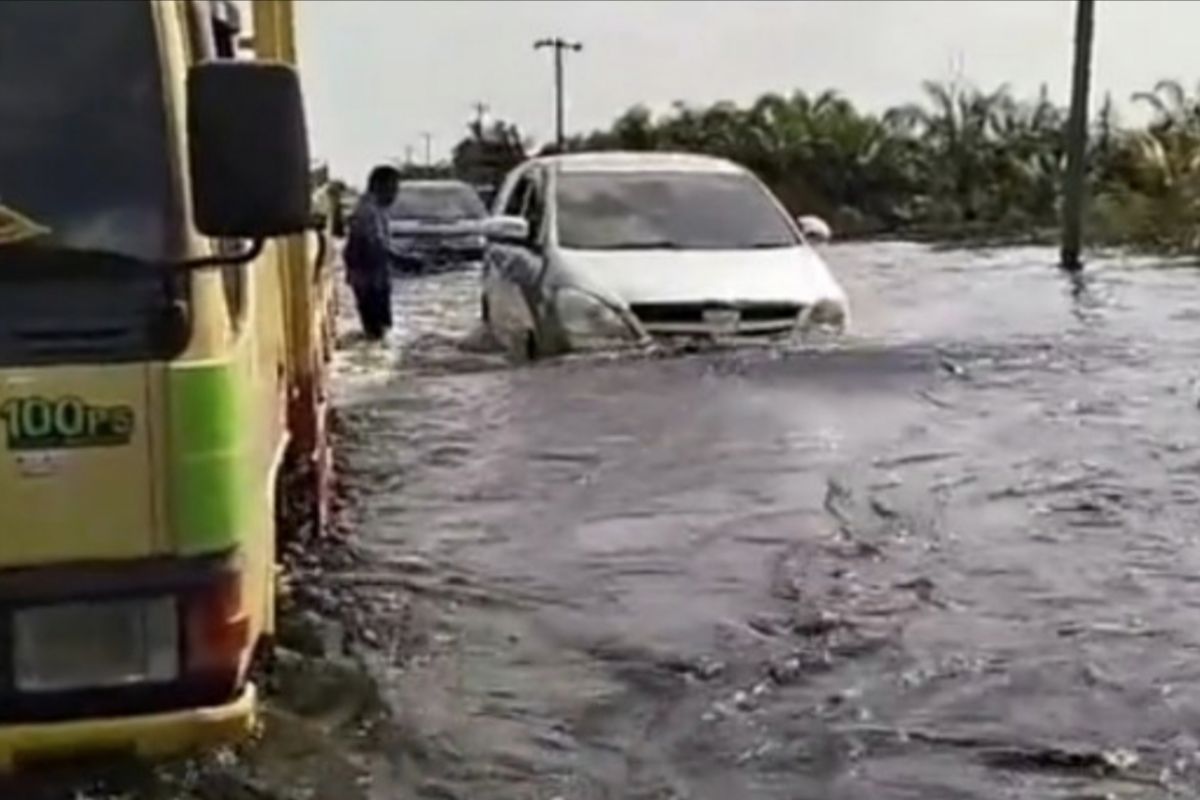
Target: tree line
{"x": 964, "y": 162}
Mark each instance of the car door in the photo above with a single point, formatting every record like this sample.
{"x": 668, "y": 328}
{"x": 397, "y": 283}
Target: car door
{"x": 512, "y": 269}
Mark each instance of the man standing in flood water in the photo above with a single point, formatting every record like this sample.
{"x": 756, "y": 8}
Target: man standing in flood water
{"x": 368, "y": 253}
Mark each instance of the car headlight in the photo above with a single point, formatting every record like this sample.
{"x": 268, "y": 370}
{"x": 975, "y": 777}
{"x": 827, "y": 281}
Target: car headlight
{"x": 827, "y": 314}
{"x": 585, "y": 316}
{"x": 469, "y": 242}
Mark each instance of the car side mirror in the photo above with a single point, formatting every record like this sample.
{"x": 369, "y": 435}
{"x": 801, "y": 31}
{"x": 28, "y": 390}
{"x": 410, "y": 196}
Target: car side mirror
{"x": 248, "y": 146}
{"x": 507, "y": 229}
{"x": 814, "y": 228}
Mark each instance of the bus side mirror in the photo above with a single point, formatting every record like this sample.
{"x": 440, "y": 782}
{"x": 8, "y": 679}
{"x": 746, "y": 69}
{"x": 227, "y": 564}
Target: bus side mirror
{"x": 248, "y": 145}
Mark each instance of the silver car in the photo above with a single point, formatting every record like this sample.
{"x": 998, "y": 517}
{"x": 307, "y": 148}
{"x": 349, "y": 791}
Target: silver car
{"x": 602, "y": 249}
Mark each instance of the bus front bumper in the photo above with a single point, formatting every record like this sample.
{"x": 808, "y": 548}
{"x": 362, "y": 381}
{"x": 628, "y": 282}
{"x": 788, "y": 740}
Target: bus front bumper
{"x": 148, "y": 736}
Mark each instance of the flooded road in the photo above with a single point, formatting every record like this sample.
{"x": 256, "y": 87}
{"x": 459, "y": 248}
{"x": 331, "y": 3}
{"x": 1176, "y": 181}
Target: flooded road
{"x": 954, "y": 557}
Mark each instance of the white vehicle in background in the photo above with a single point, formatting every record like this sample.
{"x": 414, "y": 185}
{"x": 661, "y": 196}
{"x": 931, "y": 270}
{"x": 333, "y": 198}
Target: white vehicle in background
{"x": 601, "y": 249}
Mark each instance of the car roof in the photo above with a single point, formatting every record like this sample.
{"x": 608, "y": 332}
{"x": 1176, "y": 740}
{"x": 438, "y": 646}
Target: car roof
{"x": 621, "y": 161}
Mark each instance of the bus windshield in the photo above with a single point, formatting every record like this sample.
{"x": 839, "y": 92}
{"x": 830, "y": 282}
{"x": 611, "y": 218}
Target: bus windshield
{"x": 84, "y": 161}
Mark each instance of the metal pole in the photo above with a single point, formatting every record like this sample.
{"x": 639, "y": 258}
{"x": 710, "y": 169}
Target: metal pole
{"x": 428, "y": 148}
{"x": 1073, "y": 187}
{"x": 558, "y": 94}
{"x": 559, "y": 44}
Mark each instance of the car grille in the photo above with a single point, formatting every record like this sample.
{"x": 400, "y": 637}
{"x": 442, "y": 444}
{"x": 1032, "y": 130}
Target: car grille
{"x": 433, "y": 242}
{"x": 690, "y": 317}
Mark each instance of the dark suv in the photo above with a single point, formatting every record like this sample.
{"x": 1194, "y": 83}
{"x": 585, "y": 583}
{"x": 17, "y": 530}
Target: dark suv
{"x": 437, "y": 224}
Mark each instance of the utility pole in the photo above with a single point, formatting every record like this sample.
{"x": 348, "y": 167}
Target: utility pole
{"x": 428, "y": 137}
{"x": 481, "y": 110}
{"x": 1077, "y": 123}
{"x": 559, "y": 45}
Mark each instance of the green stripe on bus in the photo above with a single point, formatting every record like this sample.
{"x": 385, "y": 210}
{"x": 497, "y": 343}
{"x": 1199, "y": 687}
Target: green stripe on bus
{"x": 207, "y": 466}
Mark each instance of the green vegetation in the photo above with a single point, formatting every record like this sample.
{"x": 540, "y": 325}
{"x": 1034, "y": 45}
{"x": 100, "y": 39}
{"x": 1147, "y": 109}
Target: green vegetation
{"x": 964, "y": 163}
{"x": 486, "y": 155}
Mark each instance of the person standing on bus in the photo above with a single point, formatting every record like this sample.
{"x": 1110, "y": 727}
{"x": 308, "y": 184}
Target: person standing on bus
{"x": 368, "y": 254}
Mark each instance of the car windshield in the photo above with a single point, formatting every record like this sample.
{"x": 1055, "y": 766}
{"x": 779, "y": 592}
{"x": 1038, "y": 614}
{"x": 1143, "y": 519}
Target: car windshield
{"x": 440, "y": 202}
{"x": 673, "y": 210}
{"x": 83, "y": 143}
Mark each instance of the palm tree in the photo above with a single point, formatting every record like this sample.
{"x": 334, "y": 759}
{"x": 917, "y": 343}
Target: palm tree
{"x": 1028, "y": 161}
{"x": 1174, "y": 109}
{"x": 958, "y": 131}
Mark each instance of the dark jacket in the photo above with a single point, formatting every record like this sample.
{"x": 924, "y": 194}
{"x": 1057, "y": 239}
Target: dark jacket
{"x": 368, "y": 253}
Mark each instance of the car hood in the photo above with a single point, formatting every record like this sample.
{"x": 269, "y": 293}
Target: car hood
{"x": 793, "y": 274}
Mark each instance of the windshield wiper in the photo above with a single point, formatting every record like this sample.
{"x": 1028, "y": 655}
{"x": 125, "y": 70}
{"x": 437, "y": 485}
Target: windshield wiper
{"x": 661, "y": 244}
{"x": 770, "y": 245}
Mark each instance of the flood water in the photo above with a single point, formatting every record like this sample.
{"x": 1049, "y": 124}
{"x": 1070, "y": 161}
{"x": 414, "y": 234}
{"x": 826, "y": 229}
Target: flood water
{"x": 953, "y": 557}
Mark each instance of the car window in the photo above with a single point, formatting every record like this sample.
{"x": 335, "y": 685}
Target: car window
{"x": 535, "y": 208}
{"x": 514, "y": 206}
{"x": 437, "y": 202}
{"x": 675, "y": 210}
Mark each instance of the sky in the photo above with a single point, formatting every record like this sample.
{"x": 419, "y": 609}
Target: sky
{"x": 380, "y": 73}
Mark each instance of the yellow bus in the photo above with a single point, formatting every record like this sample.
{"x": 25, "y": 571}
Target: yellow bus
{"x": 162, "y": 343}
